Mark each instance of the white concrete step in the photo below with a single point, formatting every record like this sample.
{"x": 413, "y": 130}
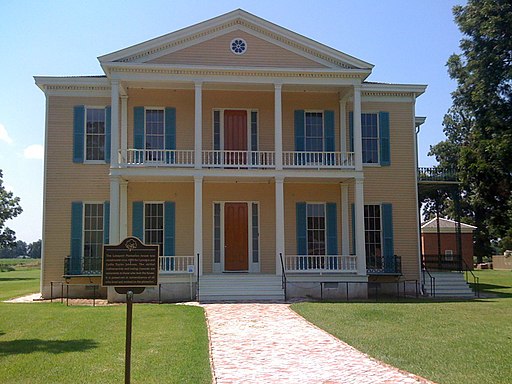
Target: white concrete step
{"x": 240, "y": 287}
{"x": 449, "y": 284}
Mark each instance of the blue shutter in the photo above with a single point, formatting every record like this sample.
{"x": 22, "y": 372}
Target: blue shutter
{"x": 108, "y": 138}
{"x": 387, "y": 237}
{"x": 299, "y": 130}
{"x": 170, "y": 133}
{"x": 106, "y": 222}
{"x": 329, "y": 136}
{"x": 169, "y": 228}
{"x": 385, "y": 147}
{"x": 138, "y": 220}
{"x": 351, "y": 130}
{"x": 78, "y": 133}
{"x": 138, "y": 127}
{"x": 332, "y": 235}
{"x": 302, "y": 246}
{"x": 170, "y": 128}
{"x": 332, "y": 229}
{"x": 75, "y": 267}
{"x": 353, "y": 214}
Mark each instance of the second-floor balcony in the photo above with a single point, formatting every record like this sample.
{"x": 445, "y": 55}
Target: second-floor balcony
{"x": 236, "y": 159}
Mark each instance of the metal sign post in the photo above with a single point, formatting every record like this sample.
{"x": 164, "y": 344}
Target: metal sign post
{"x": 130, "y": 267}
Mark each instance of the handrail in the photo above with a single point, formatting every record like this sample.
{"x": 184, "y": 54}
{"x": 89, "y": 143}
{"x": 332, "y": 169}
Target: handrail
{"x": 476, "y": 279}
{"x": 197, "y": 271}
{"x": 432, "y": 280}
{"x": 283, "y": 276}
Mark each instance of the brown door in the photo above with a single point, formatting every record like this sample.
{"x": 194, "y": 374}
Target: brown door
{"x": 235, "y": 137}
{"x": 236, "y": 239}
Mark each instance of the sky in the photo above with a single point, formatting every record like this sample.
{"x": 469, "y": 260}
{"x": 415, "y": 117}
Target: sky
{"x": 408, "y": 41}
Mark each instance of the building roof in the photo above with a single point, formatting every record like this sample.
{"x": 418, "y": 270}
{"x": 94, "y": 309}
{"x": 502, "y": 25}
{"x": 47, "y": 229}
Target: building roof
{"x": 445, "y": 226}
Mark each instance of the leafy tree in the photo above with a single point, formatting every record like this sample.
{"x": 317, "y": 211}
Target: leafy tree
{"x": 9, "y": 208}
{"x": 478, "y": 126}
{"x": 20, "y": 248}
{"x": 34, "y": 249}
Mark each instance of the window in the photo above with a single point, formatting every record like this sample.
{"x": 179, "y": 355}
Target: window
{"x": 154, "y": 224}
{"x": 155, "y": 134}
{"x": 315, "y": 229}
{"x": 93, "y": 238}
{"x": 373, "y": 237}
{"x": 370, "y": 138}
{"x": 95, "y": 134}
{"x": 314, "y": 132}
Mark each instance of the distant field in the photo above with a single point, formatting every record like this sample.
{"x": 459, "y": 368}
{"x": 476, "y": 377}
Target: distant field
{"x": 18, "y": 277}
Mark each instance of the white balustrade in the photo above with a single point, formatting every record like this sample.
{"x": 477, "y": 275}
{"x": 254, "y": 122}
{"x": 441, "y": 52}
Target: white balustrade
{"x": 318, "y": 160}
{"x": 320, "y": 263}
{"x": 175, "y": 264}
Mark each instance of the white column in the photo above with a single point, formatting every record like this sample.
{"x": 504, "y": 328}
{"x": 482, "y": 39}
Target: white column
{"x": 345, "y": 242}
{"x": 358, "y": 145}
{"x": 114, "y": 124}
{"x": 124, "y": 125}
{"x": 198, "y": 125}
{"x": 114, "y": 210}
{"x": 123, "y": 209}
{"x": 279, "y": 222}
{"x": 359, "y": 227}
{"x": 278, "y": 126}
{"x": 198, "y": 222}
{"x": 343, "y": 125}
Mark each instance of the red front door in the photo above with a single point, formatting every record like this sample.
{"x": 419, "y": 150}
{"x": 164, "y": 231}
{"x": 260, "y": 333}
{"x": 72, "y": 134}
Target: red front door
{"x": 236, "y": 239}
{"x": 235, "y": 137}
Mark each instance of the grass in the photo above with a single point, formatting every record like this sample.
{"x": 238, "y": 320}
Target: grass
{"x": 52, "y": 343}
{"x": 447, "y": 342}
{"x": 21, "y": 279}
{"x": 497, "y": 282}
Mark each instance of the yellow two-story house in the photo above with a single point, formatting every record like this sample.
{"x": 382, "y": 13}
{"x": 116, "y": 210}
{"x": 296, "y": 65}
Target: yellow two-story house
{"x": 260, "y": 161}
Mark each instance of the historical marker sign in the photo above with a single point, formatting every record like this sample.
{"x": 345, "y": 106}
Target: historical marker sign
{"x": 130, "y": 264}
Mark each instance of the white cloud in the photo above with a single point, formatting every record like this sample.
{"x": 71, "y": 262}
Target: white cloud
{"x": 4, "y": 135}
{"x": 34, "y": 151}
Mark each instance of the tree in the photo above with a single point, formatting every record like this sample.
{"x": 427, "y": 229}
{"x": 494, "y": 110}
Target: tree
{"x": 20, "y": 248}
{"x": 34, "y": 250}
{"x": 478, "y": 126}
{"x": 9, "y": 208}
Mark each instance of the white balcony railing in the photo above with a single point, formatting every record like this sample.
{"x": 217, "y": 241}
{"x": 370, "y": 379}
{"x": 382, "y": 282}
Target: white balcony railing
{"x": 236, "y": 159}
{"x": 318, "y": 160}
{"x": 175, "y": 264}
{"x": 158, "y": 157}
{"x": 320, "y": 263}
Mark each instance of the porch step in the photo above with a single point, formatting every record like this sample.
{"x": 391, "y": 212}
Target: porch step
{"x": 240, "y": 287}
{"x": 449, "y": 284}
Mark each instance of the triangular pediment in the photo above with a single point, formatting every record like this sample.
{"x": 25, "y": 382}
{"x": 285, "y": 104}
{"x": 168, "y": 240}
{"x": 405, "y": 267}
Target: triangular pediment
{"x": 210, "y": 44}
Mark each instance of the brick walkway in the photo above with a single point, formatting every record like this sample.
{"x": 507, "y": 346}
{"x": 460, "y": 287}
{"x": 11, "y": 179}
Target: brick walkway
{"x": 269, "y": 343}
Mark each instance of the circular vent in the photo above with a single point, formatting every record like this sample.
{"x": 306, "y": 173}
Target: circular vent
{"x": 238, "y": 46}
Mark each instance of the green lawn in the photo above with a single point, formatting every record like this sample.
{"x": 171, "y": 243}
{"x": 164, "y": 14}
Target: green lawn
{"x": 498, "y": 283}
{"x": 21, "y": 281}
{"x": 52, "y": 343}
{"x": 447, "y": 342}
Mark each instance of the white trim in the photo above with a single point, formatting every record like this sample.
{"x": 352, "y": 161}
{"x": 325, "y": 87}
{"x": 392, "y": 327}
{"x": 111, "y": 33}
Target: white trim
{"x": 104, "y": 108}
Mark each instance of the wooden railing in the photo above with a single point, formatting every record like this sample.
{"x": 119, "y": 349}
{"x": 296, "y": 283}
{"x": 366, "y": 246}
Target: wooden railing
{"x": 318, "y": 160}
{"x": 175, "y": 264}
{"x": 320, "y": 263}
{"x": 235, "y": 159}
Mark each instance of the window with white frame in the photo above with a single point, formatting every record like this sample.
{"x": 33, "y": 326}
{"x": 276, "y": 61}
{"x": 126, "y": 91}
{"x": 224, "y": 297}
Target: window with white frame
{"x": 155, "y": 133}
{"x": 370, "y": 137}
{"x": 314, "y": 132}
{"x": 95, "y": 134}
{"x": 154, "y": 224}
{"x": 373, "y": 237}
{"x": 93, "y": 237}
{"x": 315, "y": 229}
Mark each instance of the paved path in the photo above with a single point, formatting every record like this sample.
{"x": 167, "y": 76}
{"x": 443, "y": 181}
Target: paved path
{"x": 269, "y": 343}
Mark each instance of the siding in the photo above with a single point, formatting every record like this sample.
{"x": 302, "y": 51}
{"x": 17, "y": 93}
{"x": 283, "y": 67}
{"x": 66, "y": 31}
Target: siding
{"x": 216, "y": 51}
{"x": 66, "y": 182}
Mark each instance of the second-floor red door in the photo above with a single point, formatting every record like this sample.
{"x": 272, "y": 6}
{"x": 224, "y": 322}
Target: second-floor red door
{"x": 235, "y": 137}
